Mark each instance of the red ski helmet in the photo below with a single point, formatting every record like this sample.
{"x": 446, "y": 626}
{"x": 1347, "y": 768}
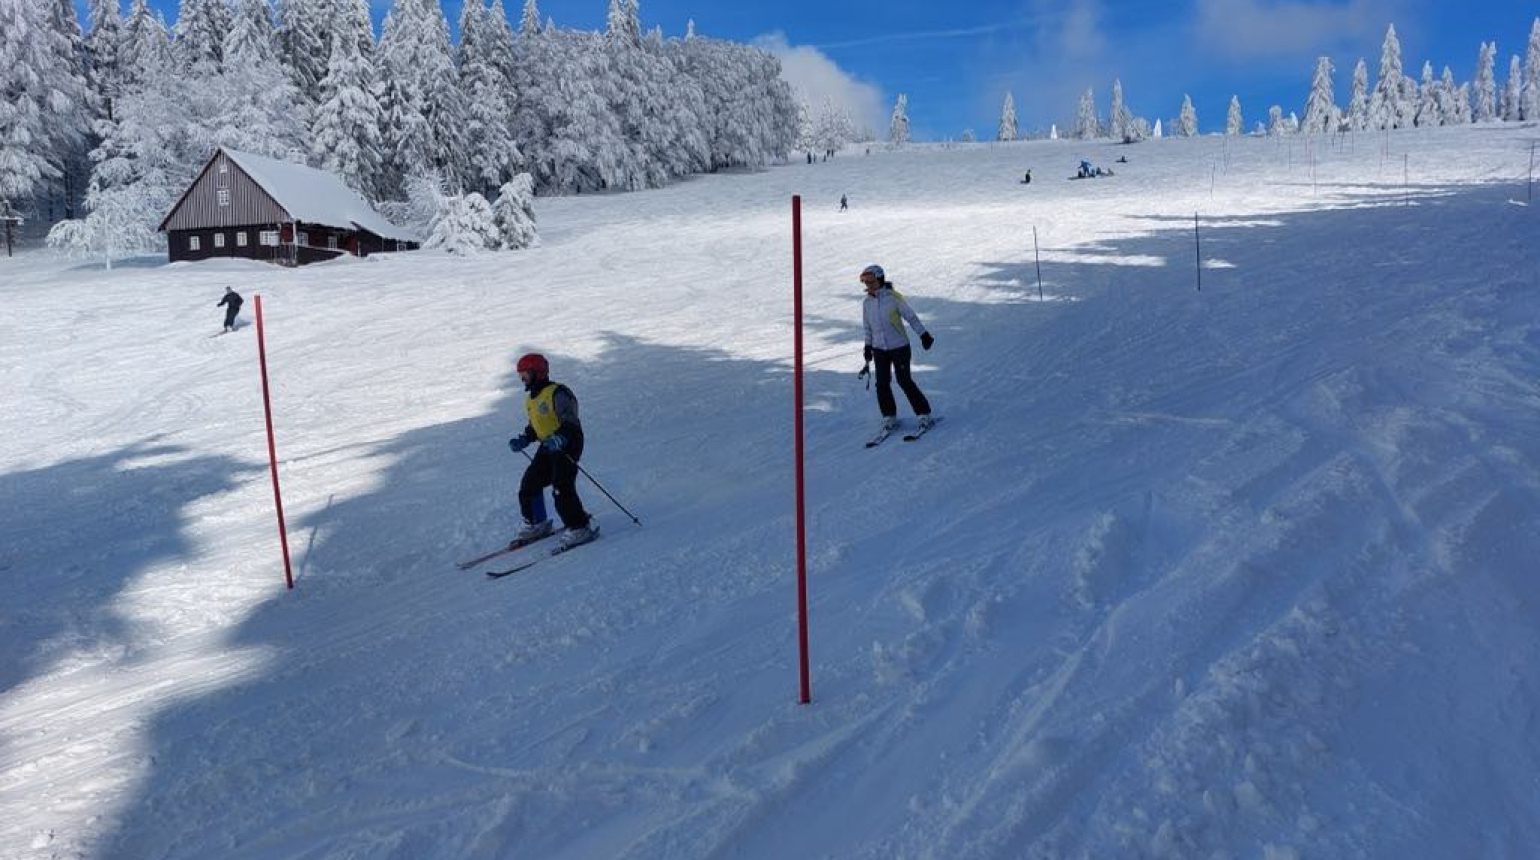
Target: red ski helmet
{"x": 535, "y": 363}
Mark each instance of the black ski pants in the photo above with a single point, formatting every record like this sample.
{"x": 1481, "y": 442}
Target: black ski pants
{"x": 558, "y": 471}
{"x": 895, "y": 363}
{"x": 230, "y": 313}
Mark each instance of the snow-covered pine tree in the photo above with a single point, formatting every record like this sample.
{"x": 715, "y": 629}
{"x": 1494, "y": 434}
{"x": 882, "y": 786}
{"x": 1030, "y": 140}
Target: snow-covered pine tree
{"x": 304, "y": 38}
{"x": 1275, "y": 122}
{"x": 1234, "y": 125}
{"x": 832, "y": 129}
{"x": 1529, "y": 99}
{"x": 1321, "y": 105}
{"x": 104, "y": 46}
{"x": 805, "y": 139}
{"x": 464, "y": 225}
{"x": 1510, "y": 109}
{"x": 1357, "y": 118}
{"x": 1086, "y": 125}
{"x": 345, "y": 138}
{"x": 1484, "y": 89}
{"x": 261, "y": 110}
{"x": 414, "y": 58}
{"x": 529, "y": 20}
{"x": 69, "y": 108}
{"x": 1119, "y": 118}
{"x": 1187, "y": 118}
{"x": 1458, "y": 112}
{"x": 898, "y": 124}
{"x": 493, "y": 157}
{"x": 1429, "y": 100}
{"x": 145, "y": 48}
{"x": 514, "y": 213}
{"x": 24, "y": 64}
{"x": 1387, "y": 103}
{"x": 200, "y": 30}
{"x": 1007, "y": 129}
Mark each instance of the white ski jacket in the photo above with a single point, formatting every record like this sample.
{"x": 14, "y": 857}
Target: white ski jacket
{"x": 883, "y": 315}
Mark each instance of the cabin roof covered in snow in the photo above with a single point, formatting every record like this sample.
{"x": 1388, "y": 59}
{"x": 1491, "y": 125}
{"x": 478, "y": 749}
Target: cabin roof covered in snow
{"x": 313, "y": 196}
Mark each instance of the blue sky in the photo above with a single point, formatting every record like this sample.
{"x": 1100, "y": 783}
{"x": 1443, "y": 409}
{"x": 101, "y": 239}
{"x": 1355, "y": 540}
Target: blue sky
{"x": 955, "y": 62}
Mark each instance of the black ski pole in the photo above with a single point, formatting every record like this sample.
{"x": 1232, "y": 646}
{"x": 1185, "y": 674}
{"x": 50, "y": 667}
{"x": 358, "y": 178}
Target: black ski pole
{"x": 601, "y": 488}
{"x": 591, "y": 478}
{"x": 866, "y": 373}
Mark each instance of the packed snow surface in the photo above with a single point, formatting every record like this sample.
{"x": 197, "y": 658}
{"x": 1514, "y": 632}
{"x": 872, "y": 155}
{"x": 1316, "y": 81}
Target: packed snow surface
{"x": 1242, "y": 571}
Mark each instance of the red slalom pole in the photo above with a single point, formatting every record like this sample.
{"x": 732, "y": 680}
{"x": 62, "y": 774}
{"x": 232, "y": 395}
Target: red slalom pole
{"x": 272, "y": 449}
{"x": 796, "y": 302}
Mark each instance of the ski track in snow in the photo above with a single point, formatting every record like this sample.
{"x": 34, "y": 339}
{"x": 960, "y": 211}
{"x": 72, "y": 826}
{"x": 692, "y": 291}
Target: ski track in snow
{"x": 1240, "y": 572}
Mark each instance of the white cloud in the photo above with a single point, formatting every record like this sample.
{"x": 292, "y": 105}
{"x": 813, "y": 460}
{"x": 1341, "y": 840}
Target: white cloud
{"x": 810, "y": 71}
{"x": 1265, "y": 29}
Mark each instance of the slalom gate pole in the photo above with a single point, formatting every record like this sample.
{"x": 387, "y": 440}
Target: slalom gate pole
{"x": 805, "y": 694}
{"x": 272, "y": 449}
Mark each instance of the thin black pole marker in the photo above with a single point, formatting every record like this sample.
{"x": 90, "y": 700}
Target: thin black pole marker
{"x": 1197, "y": 245}
{"x": 1038, "y": 258}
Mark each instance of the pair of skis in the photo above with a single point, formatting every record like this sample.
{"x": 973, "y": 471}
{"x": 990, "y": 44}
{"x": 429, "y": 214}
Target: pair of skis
{"x": 516, "y": 545}
{"x": 885, "y": 432}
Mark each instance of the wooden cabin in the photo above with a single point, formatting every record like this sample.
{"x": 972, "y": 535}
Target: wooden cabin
{"x": 244, "y": 205}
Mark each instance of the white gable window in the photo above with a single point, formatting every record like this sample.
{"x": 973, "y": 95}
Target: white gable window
{"x": 240, "y": 239}
{"x": 224, "y": 197}
{"x": 193, "y": 244}
{"x": 219, "y": 240}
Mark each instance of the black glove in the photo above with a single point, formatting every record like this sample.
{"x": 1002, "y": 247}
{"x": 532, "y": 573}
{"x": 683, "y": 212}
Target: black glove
{"x": 519, "y": 443}
{"x": 926, "y": 340}
{"x": 866, "y": 353}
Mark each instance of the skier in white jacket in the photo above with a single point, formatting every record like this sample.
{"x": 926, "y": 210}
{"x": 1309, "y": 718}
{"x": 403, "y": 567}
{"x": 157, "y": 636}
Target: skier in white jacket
{"x": 883, "y": 313}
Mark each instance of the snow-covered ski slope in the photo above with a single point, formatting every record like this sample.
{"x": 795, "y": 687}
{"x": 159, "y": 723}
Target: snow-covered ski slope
{"x": 1241, "y": 572}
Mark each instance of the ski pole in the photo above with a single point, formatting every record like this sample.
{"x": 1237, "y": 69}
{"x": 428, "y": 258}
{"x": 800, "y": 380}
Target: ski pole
{"x": 866, "y": 373}
{"x": 601, "y": 488}
{"x": 591, "y": 478}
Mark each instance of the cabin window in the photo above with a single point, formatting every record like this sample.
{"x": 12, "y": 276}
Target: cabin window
{"x": 304, "y": 238}
{"x": 240, "y": 239}
{"x": 219, "y": 240}
{"x": 268, "y": 237}
{"x": 193, "y": 244}
{"x": 331, "y": 242}
{"x": 224, "y": 196}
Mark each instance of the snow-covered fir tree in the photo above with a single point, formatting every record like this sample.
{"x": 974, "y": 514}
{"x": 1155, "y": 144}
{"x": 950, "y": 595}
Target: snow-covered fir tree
{"x": 24, "y": 65}
{"x": 1388, "y": 105}
{"x": 1484, "y": 88}
{"x": 304, "y": 41}
{"x": 69, "y": 108}
{"x": 1356, "y": 117}
{"x": 145, "y": 48}
{"x": 1086, "y": 124}
{"x": 1234, "y": 125}
{"x": 1007, "y": 128}
{"x": 529, "y": 19}
{"x": 262, "y": 111}
{"x": 1429, "y": 100}
{"x": 833, "y": 127}
{"x": 1321, "y": 106}
{"x": 1159, "y": 131}
{"x": 1529, "y": 99}
{"x": 1119, "y": 117}
{"x": 1186, "y": 118}
{"x": 514, "y": 213}
{"x": 345, "y": 138}
{"x": 104, "y": 47}
{"x": 1513, "y": 89}
{"x": 200, "y": 31}
{"x": 805, "y": 140}
{"x": 1457, "y": 109}
{"x": 464, "y": 225}
{"x": 493, "y": 157}
{"x": 898, "y": 124}
{"x": 414, "y": 56}
{"x": 1276, "y": 124}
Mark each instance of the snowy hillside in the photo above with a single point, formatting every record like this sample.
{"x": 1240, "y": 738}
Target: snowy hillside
{"x": 1240, "y": 572}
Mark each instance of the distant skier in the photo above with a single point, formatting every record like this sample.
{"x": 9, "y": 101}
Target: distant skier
{"x": 232, "y": 302}
{"x": 552, "y": 410}
{"x": 844, "y": 203}
{"x": 883, "y": 313}
{"x": 1027, "y": 180}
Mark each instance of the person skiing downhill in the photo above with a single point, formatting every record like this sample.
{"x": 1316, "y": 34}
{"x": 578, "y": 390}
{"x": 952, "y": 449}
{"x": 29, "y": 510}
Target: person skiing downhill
{"x": 232, "y": 302}
{"x": 883, "y": 313}
{"x": 552, "y": 410}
